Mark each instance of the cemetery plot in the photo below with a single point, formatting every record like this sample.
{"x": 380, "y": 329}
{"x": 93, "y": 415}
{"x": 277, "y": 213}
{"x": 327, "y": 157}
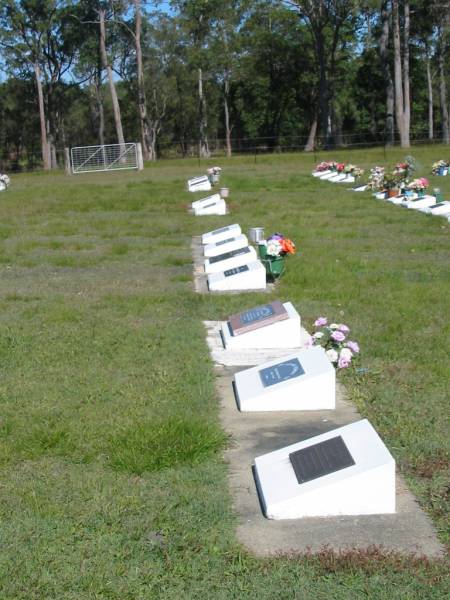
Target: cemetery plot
{"x": 217, "y": 235}
{"x": 302, "y": 381}
{"x": 199, "y": 184}
{"x": 346, "y": 471}
{"x": 205, "y": 201}
{"x": 274, "y": 325}
{"x": 226, "y": 245}
{"x": 251, "y": 276}
{"x": 229, "y": 260}
{"x": 213, "y": 208}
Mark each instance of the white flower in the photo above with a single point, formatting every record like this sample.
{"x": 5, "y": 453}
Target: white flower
{"x": 318, "y": 335}
{"x": 332, "y": 355}
{"x": 273, "y": 248}
{"x": 333, "y": 326}
{"x": 346, "y": 354}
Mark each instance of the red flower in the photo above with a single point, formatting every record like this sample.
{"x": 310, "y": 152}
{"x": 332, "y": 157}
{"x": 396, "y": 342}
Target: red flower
{"x": 287, "y": 246}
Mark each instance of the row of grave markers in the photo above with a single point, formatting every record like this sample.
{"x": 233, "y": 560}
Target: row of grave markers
{"x": 346, "y": 471}
{"x": 428, "y": 204}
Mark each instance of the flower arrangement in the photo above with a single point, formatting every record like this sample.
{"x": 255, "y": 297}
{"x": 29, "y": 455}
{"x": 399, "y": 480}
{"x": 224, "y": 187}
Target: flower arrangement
{"x": 326, "y": 165}
{"x": 353, "y": 170}
{"x": 439, "y": 166}
{"x": 213, "y": 170}
{"x": 419, "y": 184}
{"x": 333, "y": 338}
{"x": 278, "y": 245}
{"x": 340, "y": 167}
{"x": 393, "y": 180}
{"x": 406, "y": 168}
{"x": 376, "y": 179}
{"x": 4, "y": 181}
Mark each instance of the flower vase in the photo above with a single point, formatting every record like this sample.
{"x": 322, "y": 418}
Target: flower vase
{"x": 392, "y": 193}
{"x": 274, "y": 265}
{"x": 420, "y": 194}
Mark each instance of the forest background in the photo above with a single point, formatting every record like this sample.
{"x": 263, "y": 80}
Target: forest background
{"x": 209, "y": 77}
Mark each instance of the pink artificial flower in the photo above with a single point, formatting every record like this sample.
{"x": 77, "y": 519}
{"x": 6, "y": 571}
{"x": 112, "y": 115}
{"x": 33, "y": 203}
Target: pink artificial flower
{"x": 354, "y": 346}
{"x": 320, "y": 322}
{"x": 343, "y": 363}
{"x": 337, "y": 336}
{"x": 424, "y": 181}
{"x": 344, "y": 328}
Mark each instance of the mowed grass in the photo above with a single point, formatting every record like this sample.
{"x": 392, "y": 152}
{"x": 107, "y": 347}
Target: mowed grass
{"x": 112, "y": 483}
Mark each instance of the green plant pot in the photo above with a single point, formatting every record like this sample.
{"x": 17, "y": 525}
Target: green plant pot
{"x": 274, "y": 266}
{"x": 262, "y": 250}
{"x": 420, "y": 194}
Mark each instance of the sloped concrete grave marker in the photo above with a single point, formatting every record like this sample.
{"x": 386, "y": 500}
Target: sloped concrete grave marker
{"x": 226, "y": 245}
{"x": 441, "y": 208}
{"x": 420, "y": 203}
{"x": 217, "y": 235}
{"x": 346, "y": 471}
{"x": 205, "y": 201}
{"x": 199, "y": 184}
{"x": 229, "y": 260}
{"x": 305, "y": 380}
{"x": 218, "y": 207}
{"x": 250, "y": 276}
{"x": 274, "y": 325}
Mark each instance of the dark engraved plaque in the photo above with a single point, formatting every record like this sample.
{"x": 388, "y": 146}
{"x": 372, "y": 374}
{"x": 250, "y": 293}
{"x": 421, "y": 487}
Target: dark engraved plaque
{"x": 236, "y": 270}
{"x": 436, "y": 205}
{"x": 283, "y": 371}
{"x": 321, "y": 459}
{"x": 222, "y": 242}
{"x": 257, "y": 317}
{"x": 209, "y": 205}
{"x": 226, "y": 255}
{"x": 220, "y": 230}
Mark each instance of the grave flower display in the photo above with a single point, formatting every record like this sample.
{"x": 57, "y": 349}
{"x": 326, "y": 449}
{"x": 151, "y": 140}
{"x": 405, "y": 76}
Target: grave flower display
{"x": 272, "y": 252}
{"x": 213, "y": 174}
{"x": 4, "y": 182}
{"x": 353, "y": 170}
{"x": 418, "y": 185}
{"x": 333, "y": 338}
{"x": 322, "y": 166}
{"x": 376, "y": 179}
{"x": 440, "y": 167}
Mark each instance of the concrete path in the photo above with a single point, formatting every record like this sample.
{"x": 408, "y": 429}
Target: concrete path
{"x": 409, "y": 530}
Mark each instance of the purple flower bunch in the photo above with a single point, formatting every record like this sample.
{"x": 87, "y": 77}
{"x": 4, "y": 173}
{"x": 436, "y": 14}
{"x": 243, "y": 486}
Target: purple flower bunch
{"x": 333, "y": 338}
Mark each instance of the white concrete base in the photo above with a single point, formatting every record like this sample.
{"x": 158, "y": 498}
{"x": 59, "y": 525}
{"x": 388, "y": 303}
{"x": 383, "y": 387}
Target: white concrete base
{"x": 213, "y": 208}
{"x": 320, "y": 173}
{"x": 441, "y": 208}
{"x": 226, "y": 245}
{"x": 365, "y": 488}
{"x": 398, "y": 200}
{"x": 242, "y": 256}
{"x": 381, "y": 195}
{"x": 305, "y": 382}
{"x": 203, "y": 201}
{"x": 360, "y": 188}
{"x": 251, "y": 276}
{"x": 421, "y": 202}
{"x": 327, "y": 175}
{"x": 199, "y": 184}
{"x": 337, "y": 178}
{"x": 348, "y": 179}
{"x": 281, "y": 334}
{"x": 217, "y": 235}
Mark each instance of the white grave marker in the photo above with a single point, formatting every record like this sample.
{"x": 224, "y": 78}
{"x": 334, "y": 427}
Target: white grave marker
{"x": 226, "y": 245}
{"x": 346, "y": 471}
{"x": 273, "y": 325}
{"x": 218, "y": 207}
{"x": 251, "y": 276}
{"x": 301, "y": 381}
{"x": 229, "y": 260}
{"x": 321, "y": 173}
{"x": 421, "y": 202}
{"x": 199, "y": 184}
{"x": 207, "y": 200}
{"x": 211, "y": 237}
{"x": 441, "y": 208}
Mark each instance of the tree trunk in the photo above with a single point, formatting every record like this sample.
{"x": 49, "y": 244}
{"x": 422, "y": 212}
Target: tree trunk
{"x": 112, "y": 87}
{"x": 401, "y": 74}
{"x": 227, "y": 117}
{"x": 323, "y": 90}
{"x": 203, "y": 122}
{"x": 100, "y": 107}
{"x": 148, "y": 145}
{"x": 384, "y": 43}
{"x": 430, "y": 94}
{"x": 44, "y": 142}
{"x": 443, "y": 95}
{"x": 311, "y": 141}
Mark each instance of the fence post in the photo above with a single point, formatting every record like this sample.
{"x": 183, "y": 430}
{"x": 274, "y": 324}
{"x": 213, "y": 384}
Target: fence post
{"x": 67, "y": 165}
{"x": 139, "y": 157}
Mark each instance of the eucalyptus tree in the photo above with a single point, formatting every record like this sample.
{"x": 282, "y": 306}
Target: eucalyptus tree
{"x": 35, "y": 37}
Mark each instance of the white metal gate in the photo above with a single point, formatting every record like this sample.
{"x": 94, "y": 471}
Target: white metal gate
{"x": 109, "y": 157}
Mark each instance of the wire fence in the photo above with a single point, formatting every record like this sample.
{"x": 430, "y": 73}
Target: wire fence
{"x": 178, "y": 149}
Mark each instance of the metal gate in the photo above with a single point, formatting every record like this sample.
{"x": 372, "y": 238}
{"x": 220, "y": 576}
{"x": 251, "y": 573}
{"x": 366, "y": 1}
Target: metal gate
{"x": 109, "y": 157}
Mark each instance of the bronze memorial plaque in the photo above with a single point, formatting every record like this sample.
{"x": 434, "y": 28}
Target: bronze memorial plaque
{"x": 321, "y": 459}
{"x": 257, "y": 317}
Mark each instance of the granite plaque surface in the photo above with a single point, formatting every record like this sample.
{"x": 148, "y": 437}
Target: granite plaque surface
{"x": 227, "y": 241}
{"x": 236, "y": 270}
{"x": 221, "y": 230}
{"x": 283, "y": 371}
{"x": 321, "y": 459}
{"x": 226, "y": 255}
{"x": 257, "y": 317}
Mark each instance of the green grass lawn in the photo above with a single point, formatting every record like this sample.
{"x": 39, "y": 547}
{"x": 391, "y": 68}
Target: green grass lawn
{"x": 112, "y": 483}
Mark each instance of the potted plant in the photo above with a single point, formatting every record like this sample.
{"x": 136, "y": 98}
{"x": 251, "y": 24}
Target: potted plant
{"x": 272, "y": 252}
{"x": 419, "y": 186}
{"x": 333, "y": 338}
